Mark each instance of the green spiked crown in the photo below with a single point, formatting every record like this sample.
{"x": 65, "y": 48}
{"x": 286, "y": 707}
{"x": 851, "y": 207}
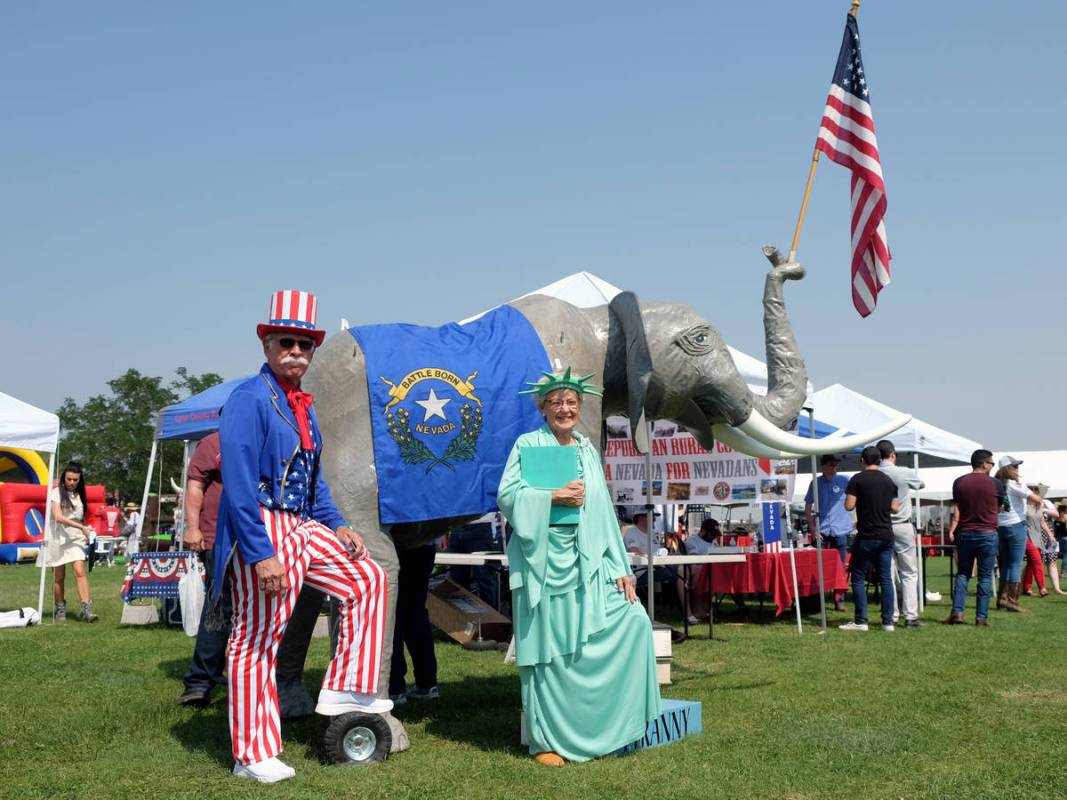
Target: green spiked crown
{"x": 553, "y": 383}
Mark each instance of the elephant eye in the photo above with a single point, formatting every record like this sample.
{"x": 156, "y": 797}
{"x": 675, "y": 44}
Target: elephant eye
{"x": 696, "y": 341}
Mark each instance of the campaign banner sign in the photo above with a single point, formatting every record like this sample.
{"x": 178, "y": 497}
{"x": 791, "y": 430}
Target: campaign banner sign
{"x": 684, "y": 472}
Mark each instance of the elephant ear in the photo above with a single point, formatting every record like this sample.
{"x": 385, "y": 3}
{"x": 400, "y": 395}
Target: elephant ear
{"x": 626, "y": 312}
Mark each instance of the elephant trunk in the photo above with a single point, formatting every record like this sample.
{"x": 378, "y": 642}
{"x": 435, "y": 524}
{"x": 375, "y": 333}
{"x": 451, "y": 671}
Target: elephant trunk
{"x": 787, "y": 379}
{"x": 761, "y": 433}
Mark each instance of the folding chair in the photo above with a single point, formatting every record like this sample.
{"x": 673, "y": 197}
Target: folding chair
{"x": 105, "y": 550}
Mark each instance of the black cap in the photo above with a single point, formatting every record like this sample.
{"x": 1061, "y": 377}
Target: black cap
{"x": 829, "y": 458}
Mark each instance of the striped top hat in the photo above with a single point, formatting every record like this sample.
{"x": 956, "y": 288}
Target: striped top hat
{"x": 292, "y": 311}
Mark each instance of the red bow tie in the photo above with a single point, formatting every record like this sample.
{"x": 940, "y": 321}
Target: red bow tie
{"x": 300, "y": 402}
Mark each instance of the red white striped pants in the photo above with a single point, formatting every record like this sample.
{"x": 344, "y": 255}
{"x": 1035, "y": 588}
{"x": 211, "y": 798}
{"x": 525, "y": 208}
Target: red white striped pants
{"x": 310, "y": 552}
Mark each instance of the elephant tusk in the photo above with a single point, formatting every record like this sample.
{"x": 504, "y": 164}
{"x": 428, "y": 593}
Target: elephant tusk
{"x": 765, "y": 432}
{"x": 742, "y": 442}
{"x": 640, "y": 435}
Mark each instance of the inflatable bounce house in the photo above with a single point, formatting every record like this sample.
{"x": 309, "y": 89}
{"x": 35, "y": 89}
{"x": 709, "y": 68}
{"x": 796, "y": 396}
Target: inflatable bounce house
{"x": 22, "y": 499}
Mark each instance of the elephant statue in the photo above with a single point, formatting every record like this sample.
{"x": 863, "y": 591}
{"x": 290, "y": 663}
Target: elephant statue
{"x": 657, "y": 361}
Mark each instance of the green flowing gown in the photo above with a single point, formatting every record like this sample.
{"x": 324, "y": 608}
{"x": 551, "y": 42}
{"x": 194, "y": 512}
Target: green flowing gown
{"x": 586, "y": 662}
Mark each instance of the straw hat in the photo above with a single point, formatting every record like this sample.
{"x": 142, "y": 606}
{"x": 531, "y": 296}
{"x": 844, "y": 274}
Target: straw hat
{"x": 132, "y": 507}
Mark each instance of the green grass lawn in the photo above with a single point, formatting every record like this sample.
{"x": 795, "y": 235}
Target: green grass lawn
{"x": 88, "y": 711}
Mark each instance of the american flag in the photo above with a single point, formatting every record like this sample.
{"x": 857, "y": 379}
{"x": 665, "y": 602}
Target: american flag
{"x": 847, "y": 136}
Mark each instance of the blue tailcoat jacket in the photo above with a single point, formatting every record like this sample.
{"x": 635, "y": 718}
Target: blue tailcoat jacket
{"x": 264, "y": 466}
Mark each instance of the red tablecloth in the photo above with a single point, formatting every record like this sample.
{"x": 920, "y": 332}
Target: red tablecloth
{"x": 772, "y": 573}
{"x": 932, "y": 540}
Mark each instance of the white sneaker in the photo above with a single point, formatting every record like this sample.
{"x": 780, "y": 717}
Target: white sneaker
{"x": 692, "y": 620}
{"x": 270, "y": 771}
{"x": 889, "y": 628}
{"x": 854, "y": 626}
{"x": 332, "y": 703}
{"x": 933, "y": 597}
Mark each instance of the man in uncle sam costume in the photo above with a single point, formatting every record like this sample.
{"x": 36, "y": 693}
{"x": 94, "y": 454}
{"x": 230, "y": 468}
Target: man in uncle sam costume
{"x": 280, "y": 528}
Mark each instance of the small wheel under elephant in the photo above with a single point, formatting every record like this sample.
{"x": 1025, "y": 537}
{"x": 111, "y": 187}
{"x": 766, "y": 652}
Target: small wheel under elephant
{"x": 480, "y": 644}
{"x": 357, "y": 739}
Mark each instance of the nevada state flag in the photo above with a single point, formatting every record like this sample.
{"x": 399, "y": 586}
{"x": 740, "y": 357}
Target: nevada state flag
{"x": 445, "y": 410}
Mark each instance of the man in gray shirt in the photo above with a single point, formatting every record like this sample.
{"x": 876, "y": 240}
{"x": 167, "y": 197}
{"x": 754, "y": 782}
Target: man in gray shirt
{"x": 904, "y": 534}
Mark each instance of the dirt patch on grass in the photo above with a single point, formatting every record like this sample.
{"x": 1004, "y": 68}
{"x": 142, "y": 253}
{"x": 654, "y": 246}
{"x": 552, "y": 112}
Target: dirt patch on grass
{"x": 1031, "y": 696}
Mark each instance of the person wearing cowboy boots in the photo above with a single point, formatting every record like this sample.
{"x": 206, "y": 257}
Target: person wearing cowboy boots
{"x": 278, "y": 528}
{"x": 1011, "y": 530}
{"x": 974, "y": 530}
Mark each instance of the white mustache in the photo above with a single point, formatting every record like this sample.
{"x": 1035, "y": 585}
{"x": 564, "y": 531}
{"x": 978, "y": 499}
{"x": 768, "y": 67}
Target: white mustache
{"x": 298, "y": 360}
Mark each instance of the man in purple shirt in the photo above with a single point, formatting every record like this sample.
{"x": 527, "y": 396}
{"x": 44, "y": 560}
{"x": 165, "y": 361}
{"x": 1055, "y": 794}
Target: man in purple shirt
{"x": 202, "y": 493}
{"x": 974, "y": 528}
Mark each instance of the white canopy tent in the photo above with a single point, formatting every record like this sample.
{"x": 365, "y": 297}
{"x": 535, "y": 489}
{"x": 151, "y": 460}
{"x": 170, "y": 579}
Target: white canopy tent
{"x": 1039, "y": 466}
{"x": 27, "y": 427}
{"x": 839, "y": 407}
{"x": 30, "y": 428}
{"x": 842, "y": 408}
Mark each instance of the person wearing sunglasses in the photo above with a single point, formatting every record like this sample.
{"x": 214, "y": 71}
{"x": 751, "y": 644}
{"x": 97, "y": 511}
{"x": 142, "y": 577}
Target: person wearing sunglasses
{"x": 278, "y": 530}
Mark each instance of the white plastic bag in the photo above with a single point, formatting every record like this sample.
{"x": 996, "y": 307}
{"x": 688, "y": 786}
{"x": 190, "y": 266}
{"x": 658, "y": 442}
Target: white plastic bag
{"x": 191, "y": 595}
{"x": 19, "y": 618}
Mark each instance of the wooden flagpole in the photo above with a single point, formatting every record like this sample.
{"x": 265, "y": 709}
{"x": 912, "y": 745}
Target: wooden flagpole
{"x": 811, "y": 176}
{"x": 804, "y": 205}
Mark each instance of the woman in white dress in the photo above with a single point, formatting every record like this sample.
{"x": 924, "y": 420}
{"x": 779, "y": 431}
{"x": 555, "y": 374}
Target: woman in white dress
{"x": 67, "y": 540}
{"x": 129, "y": 529}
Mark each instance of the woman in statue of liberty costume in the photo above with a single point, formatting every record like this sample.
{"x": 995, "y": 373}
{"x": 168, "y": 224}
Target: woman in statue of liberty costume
{"x": 583, "y": 645}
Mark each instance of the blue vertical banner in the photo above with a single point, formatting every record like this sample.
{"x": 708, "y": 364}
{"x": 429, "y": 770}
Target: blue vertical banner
{"x": 772, "y": 527}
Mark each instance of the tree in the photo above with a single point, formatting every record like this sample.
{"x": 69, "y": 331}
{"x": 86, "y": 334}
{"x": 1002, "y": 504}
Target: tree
{"x": 194, "y": 384}
{"x": 112, "y": 435}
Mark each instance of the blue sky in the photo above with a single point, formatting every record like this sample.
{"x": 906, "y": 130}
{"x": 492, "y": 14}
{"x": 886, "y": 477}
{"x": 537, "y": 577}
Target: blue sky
{"x": 165, "y": 167}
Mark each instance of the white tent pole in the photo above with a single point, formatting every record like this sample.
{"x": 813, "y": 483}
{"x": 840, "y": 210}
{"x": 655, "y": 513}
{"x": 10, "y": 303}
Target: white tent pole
{"x": 159, "y": 493}
{"x": 817, "y": 535}
{"x": 793, "y": 564}
{"x": 918, "y": 542}
{"x": 650, "y": 523}
{"x": 147, "y": 486}
{"x": 941, "y": 520}
{"x": 47, "y": 527}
